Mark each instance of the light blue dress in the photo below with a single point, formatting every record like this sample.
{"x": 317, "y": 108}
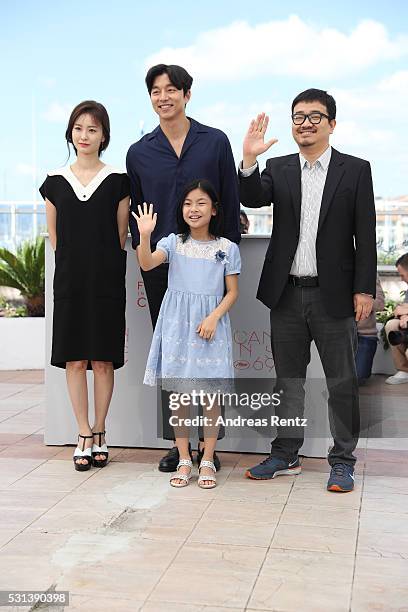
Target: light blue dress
{"x": 196, "y": 286}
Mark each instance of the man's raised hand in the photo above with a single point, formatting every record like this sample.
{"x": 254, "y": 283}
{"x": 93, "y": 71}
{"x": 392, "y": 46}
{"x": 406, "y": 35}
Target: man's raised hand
{"x": 254, "y": 141}
{"x": 146, "y": 220}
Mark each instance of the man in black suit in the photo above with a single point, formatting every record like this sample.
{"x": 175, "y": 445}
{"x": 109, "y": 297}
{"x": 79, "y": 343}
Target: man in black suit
{"x": 319, "y": 274}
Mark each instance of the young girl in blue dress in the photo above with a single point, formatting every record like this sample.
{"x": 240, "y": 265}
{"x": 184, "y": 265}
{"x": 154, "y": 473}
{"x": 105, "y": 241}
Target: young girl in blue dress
{"x": 192, "y": 339}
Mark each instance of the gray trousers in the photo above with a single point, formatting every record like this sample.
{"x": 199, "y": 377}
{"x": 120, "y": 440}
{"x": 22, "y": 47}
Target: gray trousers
{"x": 299, "y": 318}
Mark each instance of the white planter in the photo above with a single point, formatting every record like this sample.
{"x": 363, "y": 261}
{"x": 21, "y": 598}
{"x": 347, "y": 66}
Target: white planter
{"x": 22, "y": 343}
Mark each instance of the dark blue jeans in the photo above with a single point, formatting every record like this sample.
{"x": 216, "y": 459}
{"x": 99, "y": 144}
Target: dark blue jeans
{"x": 367, "y": 345}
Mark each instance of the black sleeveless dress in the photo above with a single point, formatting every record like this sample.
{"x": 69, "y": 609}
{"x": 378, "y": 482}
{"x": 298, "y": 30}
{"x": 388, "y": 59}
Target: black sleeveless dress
{"x": 90, "y": 267}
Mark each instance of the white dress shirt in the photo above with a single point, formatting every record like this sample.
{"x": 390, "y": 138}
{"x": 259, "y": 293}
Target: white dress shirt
{"x": 313, "y": 179}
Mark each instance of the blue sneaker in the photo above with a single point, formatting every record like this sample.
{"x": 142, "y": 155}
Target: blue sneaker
{"x": 274, "y": 466}
{"x": 341, "y": 478}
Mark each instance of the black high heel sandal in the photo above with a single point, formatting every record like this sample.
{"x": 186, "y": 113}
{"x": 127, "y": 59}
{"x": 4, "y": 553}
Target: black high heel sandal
{"x": 80, "y": 453}
{"x": 100, "y": 450}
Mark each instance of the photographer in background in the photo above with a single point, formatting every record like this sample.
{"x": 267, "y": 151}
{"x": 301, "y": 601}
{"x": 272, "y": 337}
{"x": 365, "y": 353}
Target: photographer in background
{"x": 399, "y": 324}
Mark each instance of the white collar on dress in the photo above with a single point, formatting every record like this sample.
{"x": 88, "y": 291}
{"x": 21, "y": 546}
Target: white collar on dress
{"x": 81, "y": 192}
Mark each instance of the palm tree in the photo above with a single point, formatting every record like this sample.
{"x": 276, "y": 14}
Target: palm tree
{"x": 25, "y": 271}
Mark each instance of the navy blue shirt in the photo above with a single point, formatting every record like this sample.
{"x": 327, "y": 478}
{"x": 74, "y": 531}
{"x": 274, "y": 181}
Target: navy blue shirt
{"x": 158, "y": 176}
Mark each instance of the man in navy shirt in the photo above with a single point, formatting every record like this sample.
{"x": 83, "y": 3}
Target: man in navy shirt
{"x": 159, "y": 165}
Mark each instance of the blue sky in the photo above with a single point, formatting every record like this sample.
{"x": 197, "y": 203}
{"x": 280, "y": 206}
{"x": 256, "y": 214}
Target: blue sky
{"x": 55, "y": 54}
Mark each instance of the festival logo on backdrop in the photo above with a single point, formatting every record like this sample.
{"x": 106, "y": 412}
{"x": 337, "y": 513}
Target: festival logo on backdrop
{"x": 252, "y": 350}
{"x": 141, "y": 299}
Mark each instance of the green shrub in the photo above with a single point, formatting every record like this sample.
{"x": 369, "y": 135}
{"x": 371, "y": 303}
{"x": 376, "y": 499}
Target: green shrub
{"x": 25, "y": 271}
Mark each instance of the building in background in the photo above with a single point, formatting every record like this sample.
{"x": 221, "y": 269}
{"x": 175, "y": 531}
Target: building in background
{"x": 392, "y": 228}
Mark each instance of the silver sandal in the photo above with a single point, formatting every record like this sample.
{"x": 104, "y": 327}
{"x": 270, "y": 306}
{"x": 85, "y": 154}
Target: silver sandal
{"x": 184, "y": 477}
{"x": 201, "y": 479}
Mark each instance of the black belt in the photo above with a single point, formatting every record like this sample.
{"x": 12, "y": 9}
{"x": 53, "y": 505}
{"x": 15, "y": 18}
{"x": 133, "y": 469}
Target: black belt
{"x": 303, "y": 281}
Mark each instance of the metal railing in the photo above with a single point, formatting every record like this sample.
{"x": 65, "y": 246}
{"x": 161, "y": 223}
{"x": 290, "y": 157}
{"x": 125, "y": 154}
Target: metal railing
{"x": 20, "y": 220}
{"x": 391, "y": 227}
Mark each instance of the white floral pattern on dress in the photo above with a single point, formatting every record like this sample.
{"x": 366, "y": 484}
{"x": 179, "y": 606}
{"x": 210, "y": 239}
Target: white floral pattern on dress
{"x": 202, "y": 250}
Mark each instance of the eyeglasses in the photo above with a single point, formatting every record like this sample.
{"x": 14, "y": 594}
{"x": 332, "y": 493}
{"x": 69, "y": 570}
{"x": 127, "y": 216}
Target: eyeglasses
{"x": 314, "y": 118}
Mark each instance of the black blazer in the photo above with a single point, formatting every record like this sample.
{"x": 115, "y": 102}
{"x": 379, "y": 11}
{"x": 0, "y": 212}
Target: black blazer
{"x": 345, "y": 244}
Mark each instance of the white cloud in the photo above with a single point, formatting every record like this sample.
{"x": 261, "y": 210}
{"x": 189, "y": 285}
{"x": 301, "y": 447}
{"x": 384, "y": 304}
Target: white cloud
{"x": 357, "y": 135}
{"x": 371, "y": 125}
{"x": 236, "y": 117}
{"x": 26, "y": 170}
{"x": 289, "y": 47}
{"x": 382, "y": 102}
{"x": 233, "y": 119}
{"x": 57, "y": 112}
{"x": 47, "y": 82}
{"x": 396, "y": 83}
{"x": 368, "y": 126}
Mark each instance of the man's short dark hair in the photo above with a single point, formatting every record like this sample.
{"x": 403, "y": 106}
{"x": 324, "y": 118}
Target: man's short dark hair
{"x": 178, "y": 76}
{"x": 317, "y": 95}
{"x": 402, "y": 261}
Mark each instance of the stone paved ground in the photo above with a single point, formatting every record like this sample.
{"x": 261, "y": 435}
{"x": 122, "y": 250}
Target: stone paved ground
{"x": 122, "y": 539}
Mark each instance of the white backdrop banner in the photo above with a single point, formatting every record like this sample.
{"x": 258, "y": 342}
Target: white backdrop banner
{"x": 132, "y": 419}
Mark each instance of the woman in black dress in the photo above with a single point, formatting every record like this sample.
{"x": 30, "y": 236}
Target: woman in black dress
{"x": 87, "y": 206}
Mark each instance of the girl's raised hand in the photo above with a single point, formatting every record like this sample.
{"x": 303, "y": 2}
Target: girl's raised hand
{"x": 146, "y": 220}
